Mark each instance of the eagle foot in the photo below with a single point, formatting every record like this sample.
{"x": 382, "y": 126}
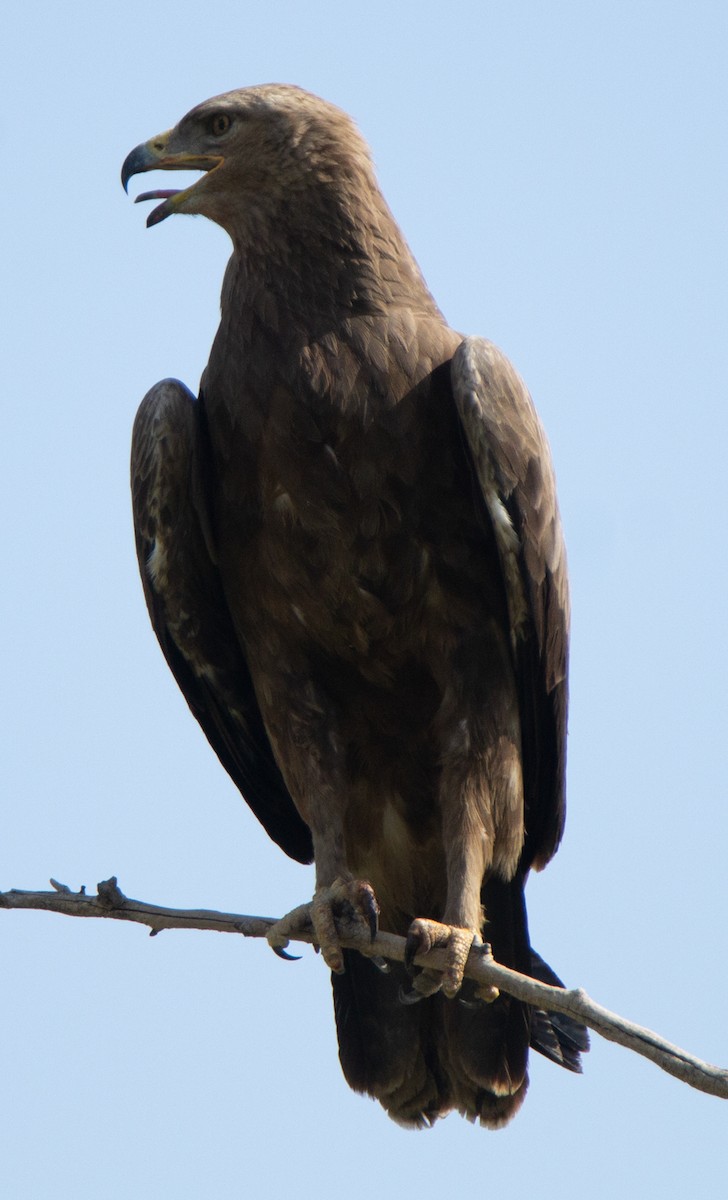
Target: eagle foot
{"x": 352, "y": 901}
{"x": 425, "y": 935}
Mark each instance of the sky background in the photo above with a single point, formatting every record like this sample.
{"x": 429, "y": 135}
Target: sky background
{"x": 560, "y": 172}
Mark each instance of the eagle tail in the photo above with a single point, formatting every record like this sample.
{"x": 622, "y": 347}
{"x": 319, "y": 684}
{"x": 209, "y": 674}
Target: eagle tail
{"x": 388, "y": 1049}
{"x": 485, "y": 1046}
{"x": 423, "y": 1060}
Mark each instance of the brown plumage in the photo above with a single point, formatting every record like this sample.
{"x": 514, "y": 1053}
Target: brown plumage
{"x": 352, "y": 557}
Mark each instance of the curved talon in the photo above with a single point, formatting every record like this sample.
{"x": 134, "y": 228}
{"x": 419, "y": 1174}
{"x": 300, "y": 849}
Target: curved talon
{"x": 380, "y": 963}
{"x": 366, "y": 903}
{"x": 285, "y": 955}
{"x": 411, "y": 997}
{"x": 350, "y": 900}
{"x": 373, "y": 912}
{"x": 412, "y": 948}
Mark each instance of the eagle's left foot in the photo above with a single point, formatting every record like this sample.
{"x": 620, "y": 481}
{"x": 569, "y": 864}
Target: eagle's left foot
{"x": 425, "y": 935}
{"x": 352, "y": 900}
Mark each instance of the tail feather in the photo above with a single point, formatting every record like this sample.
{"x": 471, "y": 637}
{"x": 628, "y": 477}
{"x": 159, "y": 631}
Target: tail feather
{"x": 555, "y": 1035}
{"x": 423, "y": 1060}
{"x": 387, "y": 1048}
{"x": 487, "y": 1044}
{"x": 486, "y": 1050}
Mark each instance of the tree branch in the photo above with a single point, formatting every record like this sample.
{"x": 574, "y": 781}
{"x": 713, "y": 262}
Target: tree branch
{"x": 111, "y": 902}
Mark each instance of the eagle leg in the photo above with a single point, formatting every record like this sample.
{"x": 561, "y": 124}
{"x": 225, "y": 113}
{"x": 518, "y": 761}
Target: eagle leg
{"x": 347, "y": 901}
{"x": 425, "y": 935}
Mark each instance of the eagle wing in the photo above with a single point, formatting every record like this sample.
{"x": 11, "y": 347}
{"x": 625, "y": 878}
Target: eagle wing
{"x": 514, "y": 480}
{"x": 186, "y": 602}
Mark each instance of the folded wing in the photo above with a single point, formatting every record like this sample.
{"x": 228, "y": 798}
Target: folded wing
{"x": 187, "y": 606}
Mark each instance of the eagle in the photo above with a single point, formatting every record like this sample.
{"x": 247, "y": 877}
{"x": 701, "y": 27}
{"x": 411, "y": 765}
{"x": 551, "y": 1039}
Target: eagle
{"x": 353, "y": 561}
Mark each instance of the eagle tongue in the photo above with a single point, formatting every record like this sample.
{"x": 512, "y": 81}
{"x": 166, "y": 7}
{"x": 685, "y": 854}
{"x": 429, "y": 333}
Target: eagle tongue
{"x": 162, "y": 210}
{"x": 160, "y": 194}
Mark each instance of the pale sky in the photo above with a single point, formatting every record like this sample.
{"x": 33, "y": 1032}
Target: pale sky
{"x": 560, "y": 172}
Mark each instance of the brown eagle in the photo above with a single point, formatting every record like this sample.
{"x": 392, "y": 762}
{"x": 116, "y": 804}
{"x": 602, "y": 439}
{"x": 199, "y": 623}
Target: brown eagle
{"x": 353, "y": 561}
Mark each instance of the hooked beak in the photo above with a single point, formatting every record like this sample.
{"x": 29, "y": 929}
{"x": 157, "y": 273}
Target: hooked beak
{"x": 154, "y": 156}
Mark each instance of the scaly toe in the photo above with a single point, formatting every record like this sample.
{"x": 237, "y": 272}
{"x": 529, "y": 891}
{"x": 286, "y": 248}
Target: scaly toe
{"x": 425, "y": 935}
{"x": 327, "y": 938}
{"x": 354, "y": 901}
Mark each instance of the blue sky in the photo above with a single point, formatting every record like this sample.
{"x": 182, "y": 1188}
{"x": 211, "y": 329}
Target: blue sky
{"x": 560, "y": 172}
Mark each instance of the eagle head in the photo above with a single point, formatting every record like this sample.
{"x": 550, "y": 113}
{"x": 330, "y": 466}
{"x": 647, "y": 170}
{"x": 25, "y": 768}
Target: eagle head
{"x": 259, "y": 148}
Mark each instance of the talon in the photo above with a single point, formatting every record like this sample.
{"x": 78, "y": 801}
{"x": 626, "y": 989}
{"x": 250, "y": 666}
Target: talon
{"x": 380, "y": 963}
{"x": 418, "y": 942}
{"x": 411, "y": 997}
{"x": 374, "y": 919}
{"x": 362, "y": 901}
{"x": 285, "y": 955}
{"x": 350, "y": 901}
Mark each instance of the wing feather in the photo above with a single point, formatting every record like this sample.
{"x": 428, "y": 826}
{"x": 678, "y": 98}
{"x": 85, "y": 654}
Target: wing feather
{"x": 175, "y": 548}
{"x": 512, "y": 466}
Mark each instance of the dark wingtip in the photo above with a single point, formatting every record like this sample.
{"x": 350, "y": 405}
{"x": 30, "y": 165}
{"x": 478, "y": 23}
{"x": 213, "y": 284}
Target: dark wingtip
{"x": 560, "y": 1038}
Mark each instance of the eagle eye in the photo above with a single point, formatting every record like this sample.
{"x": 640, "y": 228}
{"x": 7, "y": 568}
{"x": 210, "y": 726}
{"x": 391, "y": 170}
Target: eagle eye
{"x": 219, "y": 124}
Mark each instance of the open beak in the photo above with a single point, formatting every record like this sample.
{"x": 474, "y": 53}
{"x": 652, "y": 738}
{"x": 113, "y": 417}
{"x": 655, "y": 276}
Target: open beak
{"x": 153, "y": 156}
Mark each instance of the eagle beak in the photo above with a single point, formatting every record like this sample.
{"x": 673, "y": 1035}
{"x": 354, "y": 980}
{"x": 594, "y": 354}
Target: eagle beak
{"x": 154, "y": 156}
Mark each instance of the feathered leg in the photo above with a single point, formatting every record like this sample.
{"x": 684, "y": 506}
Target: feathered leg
{"x": 483, "y": 1047}
{"x": 480, "y": 797}
{"x": 303, "y": 725}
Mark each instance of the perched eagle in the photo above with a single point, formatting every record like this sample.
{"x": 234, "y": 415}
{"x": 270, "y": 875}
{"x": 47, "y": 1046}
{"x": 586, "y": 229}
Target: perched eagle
{"x": 352, "y": 558}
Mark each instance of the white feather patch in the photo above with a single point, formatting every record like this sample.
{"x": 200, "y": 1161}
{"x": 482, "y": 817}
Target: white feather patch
{"x": 472, "y": 400}
{"x": 157, "y": 565}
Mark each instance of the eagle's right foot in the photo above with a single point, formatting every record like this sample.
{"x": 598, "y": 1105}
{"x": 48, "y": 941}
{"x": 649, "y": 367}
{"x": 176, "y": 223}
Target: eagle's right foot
{"x": 352, "y": 899}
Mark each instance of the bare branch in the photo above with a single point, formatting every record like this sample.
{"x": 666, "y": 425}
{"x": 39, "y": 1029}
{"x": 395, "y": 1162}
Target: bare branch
{"x": 111, "y": 902}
